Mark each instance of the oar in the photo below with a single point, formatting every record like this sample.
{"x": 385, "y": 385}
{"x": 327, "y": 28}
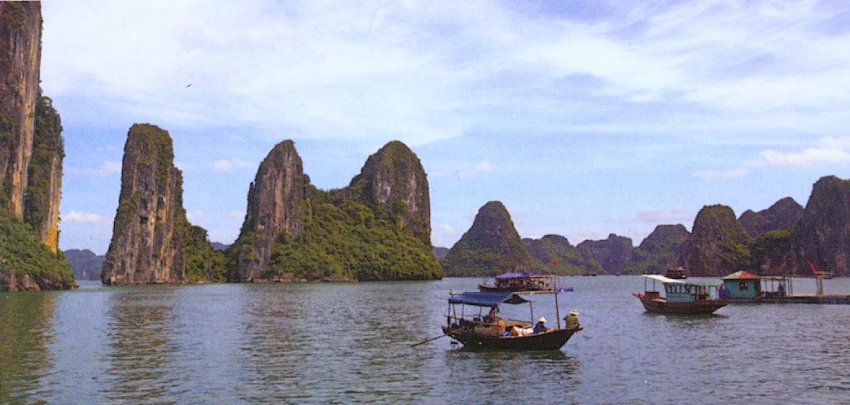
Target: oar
{"x": 426, "y": 341}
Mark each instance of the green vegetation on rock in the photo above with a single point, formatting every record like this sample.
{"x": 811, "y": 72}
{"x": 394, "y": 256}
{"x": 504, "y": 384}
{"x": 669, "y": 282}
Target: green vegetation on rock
{"x": 551, "y": 249}
{"x": 490, "y": 247}
{"x": 348, "y": 240}
{"x": 23, "y": 254}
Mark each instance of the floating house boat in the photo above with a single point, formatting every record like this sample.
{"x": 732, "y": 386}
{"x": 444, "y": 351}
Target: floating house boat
{"x": 677, "y": 273}
{"x": 492, "y": 332}
{"x": 743, "y": 287}
{"x": 681, "y": 297}
{"x": 522, "y": 282}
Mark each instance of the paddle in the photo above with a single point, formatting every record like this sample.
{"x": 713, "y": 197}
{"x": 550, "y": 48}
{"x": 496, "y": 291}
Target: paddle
{"x": 426, "y": 341}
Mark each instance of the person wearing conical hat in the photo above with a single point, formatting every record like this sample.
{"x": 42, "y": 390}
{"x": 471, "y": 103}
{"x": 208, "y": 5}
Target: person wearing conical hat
{"x": 540, "y": 327}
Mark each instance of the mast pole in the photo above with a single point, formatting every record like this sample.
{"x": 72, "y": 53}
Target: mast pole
{"x": 557, "y": 308}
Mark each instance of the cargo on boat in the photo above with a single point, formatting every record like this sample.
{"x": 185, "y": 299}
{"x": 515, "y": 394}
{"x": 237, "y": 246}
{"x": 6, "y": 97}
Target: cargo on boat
{"x": 479, "y": 331}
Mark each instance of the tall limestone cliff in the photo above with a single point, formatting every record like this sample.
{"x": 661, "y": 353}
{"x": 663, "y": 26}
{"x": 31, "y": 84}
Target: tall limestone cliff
{"x": 718, "y": 244}
{"x": 152, "y": 241}
{"x": 611, "y": 254}
{"x": 393, "y": 178}
{"x": 490, "y": 247}
{"x": 20, "y": 61}
{"x": 659, "y": 251}
{"x": 275, "y": 203}
{"x": 44, "y": 189}
{"x": 781, "y": 215}
{"x": 823, "y": 234}
{"x": 377, "y": 228}
{"x": 31, "y": 154}
{"x": 555, "y": 254}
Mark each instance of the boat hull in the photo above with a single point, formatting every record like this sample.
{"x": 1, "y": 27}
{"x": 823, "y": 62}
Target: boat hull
{"x": 552, "y": 340}
{"x": 662, "y": 306}
{"x": 795, "y": 299}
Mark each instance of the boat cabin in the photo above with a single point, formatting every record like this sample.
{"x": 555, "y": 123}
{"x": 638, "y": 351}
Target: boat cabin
{"x": 676, "y": 290}
{"x": 741, "y": 284}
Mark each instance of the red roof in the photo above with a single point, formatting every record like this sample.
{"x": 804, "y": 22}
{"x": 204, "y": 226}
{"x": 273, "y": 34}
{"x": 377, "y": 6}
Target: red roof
{"x": 742, "y": 275}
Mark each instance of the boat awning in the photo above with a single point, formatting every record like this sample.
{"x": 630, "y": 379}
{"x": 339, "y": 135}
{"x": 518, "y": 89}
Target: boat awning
{"x": 658, "y": 277}
{"x": 487, "y": 299}
{"x": 512, "y": 275}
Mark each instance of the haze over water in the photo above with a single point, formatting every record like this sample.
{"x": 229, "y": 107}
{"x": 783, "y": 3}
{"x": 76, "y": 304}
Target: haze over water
{"x": 327, "y": 343}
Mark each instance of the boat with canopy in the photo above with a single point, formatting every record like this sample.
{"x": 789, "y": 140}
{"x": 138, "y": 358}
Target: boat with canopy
{"x": 522, "y": 282}
{"x": 681, "y": 297}
{"x": 479, "y": 331}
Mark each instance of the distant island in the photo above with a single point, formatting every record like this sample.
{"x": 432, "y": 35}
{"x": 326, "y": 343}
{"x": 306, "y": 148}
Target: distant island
{"x": 785, "y": 238}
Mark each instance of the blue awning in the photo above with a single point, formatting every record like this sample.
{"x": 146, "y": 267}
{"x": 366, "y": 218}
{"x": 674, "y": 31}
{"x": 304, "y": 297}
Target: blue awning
{"x": 512, "y": 275}
{"x": 487, "y": 299}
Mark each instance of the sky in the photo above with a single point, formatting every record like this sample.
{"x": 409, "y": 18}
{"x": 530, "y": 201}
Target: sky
{"x": 584, "y": 118}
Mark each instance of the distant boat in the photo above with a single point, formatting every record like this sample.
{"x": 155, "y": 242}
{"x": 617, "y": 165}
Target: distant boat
{"x": 494, "y": 333}
{"x": 522, "y": 282}
{"x": 748, "y": 288}
{"x": 681, "y": 297}
{"x": 676, "y": 274}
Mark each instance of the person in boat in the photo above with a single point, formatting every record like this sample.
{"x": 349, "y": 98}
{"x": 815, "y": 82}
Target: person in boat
{"x": 493, "y": 316}
{"x": 781, "y": 290}
{"x": 540, "y": 327}
{"x": 571, "y": 320}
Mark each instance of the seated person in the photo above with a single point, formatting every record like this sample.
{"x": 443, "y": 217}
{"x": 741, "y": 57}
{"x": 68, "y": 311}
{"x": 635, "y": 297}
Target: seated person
{"x": 540, "y": 327}
{"x": 493, "y": 316}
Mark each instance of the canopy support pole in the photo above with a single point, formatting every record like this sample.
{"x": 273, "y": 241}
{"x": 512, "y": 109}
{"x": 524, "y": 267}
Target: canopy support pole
{"x": 557, "y": 308}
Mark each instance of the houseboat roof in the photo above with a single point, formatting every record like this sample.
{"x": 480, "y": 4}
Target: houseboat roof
{"x": 742, "y": 275}
{"x": 486, "y": 299}
{"x": 519, "y": 275}
{"x": 658, "y": 277}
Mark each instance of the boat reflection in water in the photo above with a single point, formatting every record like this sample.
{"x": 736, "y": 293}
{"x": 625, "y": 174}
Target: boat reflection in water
{"x": 493, "y": 332}
{"x": 682, "y": 298}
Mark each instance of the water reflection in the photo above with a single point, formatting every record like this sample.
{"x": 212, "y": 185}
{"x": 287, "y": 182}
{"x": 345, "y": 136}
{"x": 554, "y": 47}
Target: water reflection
{"x": 25, "y": 332}
{"x": 139, "y": 345}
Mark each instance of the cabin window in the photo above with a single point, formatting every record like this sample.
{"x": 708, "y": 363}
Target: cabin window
{"x": 743, "y": 286}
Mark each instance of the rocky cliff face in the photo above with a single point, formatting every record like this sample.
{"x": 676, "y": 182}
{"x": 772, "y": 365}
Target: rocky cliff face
{"x": 823, "y": 234}
{"x": 612, "y": 253}
{"x": 275, "y": 204}
{"x": 393, "y": 177}
{"x": 659, "y": 251}
{"x": 781, "y": 215}
{"x": 718, "y": 244}
{"x": 152, "y": 241}
{"x": 377, "y": 228}
{"x": 44, "y": 189}
{"x": 490, "y": 247}
{"x": 20, "y": 61}
{"x": 555, "y": 254}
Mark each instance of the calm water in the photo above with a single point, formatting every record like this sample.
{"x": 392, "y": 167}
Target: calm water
{"x": 342, "y": 343}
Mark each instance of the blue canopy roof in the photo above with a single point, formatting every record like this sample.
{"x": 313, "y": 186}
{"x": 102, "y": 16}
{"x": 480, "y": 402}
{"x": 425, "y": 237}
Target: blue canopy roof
{"x": 486, "y": 299}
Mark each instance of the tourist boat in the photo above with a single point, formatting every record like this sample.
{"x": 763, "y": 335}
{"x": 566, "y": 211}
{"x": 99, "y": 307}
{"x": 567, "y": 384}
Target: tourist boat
{"x": 522, "y": 282}
{"x": 677, "y": 273}
{"x": 681, "y": 298}
{"x": 493, "y": 332}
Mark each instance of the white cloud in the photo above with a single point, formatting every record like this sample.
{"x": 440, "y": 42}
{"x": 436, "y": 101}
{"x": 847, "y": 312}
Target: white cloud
{"x": 106, "y": 169}
{"x": 426, "y": 71}
{"x": 482, "y": 167}
{"x": 656, "y": 216}
{"x": 228, "y": 165}
{"x": 76, "y": 217}
{"x": 721, "y": 174}
{"x": 806, "y": 157}
{"x": 236, "y": 214}
{"x": 447, "y": 230}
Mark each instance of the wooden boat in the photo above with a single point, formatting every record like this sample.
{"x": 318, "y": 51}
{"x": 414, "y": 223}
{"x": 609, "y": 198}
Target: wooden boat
{"x": 682, "y": 298}
{"x": 494, "y": 333}
{"x": 522, "y": 282}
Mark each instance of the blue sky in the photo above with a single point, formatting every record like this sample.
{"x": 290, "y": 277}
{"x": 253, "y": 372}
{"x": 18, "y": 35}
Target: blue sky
{"x": 583, "y": 118}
